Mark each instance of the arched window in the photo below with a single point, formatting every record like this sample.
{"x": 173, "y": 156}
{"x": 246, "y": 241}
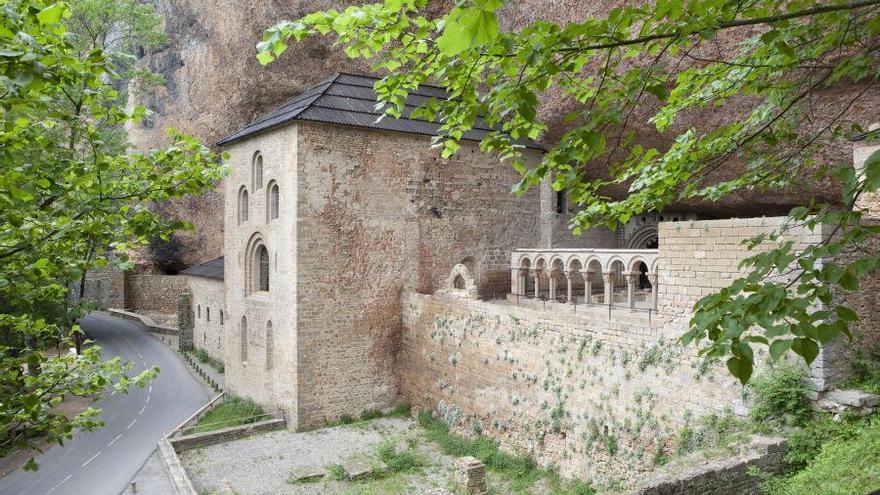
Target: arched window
{"x": 263, "y": 266}
{"x": 221, "y": 316}
{"x": 208, "y": 314}
{"x": 242, "y": 205}
{"x": 274, "y": 201}
{"x": 244, "y": 339}
{"x": 199, "y": 311}
{"x": 257, "y": 167}
{"x": 270, "y": 345}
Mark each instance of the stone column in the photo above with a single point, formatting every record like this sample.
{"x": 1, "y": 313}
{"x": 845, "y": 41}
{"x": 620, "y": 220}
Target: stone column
{"x": 608, "y": 278}
{"x": 551, "y": 282}
{"x": 185, "y": 322}
{"x": 588, "y": 286}
{"x": 536, "y": 274}
{"x": 631, "y": 280}
{"x": 570, "y": 296}
{"x": 652, "y": 277}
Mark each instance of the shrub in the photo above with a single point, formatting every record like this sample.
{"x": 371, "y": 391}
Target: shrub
{"x": 371, "y": 414}
{"x": 846, "y": 465}
{"x": 345, "y": 419}
{"x": 397, "y": 460}
{"x": 804, "y": 444}
{"x": 401, "y": 411}
{"x": 866, "y": 370}
{"x": 780, "y": 394}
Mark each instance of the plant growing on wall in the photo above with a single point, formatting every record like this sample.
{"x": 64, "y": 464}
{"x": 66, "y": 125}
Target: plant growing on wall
{"x": 662, "y": 62}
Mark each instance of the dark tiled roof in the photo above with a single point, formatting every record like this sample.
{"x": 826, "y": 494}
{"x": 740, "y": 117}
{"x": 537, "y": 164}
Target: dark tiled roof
{"x": 208, "y": 269}
{"x": 348, "y": 99}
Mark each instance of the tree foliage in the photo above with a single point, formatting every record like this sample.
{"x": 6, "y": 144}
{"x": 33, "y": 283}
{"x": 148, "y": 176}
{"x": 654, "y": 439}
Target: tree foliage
{"x": 675, "y": 59}
{"x": 70, "y": 190}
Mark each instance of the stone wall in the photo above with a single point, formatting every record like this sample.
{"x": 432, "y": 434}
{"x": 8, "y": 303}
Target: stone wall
{"x": 209, "y": 315}
{"x": 379, "y": 213}
{"x": 104, "y": 287}
{"x": 153, "y": 293}
{"x": 596, "y": 396}
{"x": 259, "y": 363}
{"x": 595, "y": 393}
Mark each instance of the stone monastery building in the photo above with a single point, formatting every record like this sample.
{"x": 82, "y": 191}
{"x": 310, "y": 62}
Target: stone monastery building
{"x": 361, "y": 270}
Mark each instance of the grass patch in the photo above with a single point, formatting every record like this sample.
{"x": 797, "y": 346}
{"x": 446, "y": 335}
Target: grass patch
{"x": 398, "y": 460}
{"x": 336, "y": 472}
{"x": 402, "y": 411}
{"x": 234, "y": 411}
{"x": 203, "y": 357}
{"x": 519, "y": 470}
{"x": 845, "y": 465}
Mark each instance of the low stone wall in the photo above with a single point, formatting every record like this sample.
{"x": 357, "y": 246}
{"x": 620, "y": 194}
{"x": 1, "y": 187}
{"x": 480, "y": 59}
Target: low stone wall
{"x": 104, "y": 287}
{"x": 157, "y": 293}
{"x": 725, "y": 477}
{"x": 196, "y": 440}
{"x": 597, "y": 396}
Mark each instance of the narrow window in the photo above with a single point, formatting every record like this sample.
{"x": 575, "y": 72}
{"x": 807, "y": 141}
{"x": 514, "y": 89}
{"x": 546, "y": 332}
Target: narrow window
{"x": 560, "y": 201}
{"x": 258, "y": 171}
{"x": 199, "y": 311}
{"x": 242, "y": 206}
{"x": 270, "y": 345}
{"x": 244, "y": 339}
{"x": 274, "y": 202}
{"x": 263, "y": 260}
{"x": 221, "y": 316}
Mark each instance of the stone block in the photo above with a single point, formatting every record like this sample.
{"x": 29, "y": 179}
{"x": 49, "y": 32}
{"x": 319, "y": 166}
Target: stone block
{"x": 308, "y": 474}
{"x": 470, "y": 474}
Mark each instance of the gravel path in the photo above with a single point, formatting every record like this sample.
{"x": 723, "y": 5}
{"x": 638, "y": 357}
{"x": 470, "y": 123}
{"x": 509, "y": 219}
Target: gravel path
{"x": 263, "y": 464}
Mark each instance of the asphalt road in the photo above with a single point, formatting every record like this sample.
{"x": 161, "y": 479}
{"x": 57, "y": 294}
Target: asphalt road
{"x": 104, "y": 461}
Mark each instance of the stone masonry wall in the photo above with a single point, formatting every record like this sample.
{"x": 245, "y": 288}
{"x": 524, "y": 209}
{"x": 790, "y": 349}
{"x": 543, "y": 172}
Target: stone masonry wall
{"x": 104, "y": 287}
{"x": 380, "y": 212}
{"x": 258, "y": 363}
{"x": 156, "y": 293}
{"x": 597, "y": 396}
{"x": 209, "y": 315}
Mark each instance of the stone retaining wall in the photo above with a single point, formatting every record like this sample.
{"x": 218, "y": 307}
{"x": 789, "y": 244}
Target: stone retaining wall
{"x": 149, "y": 292}
{"x": 725, "y": 477}
{"x": 196, "y": 440}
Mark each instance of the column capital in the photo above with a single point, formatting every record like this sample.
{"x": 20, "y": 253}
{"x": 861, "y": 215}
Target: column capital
{"x": 568, "y": 273}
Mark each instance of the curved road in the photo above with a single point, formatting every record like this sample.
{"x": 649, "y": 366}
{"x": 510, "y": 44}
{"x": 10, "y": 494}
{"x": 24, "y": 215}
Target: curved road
{"x": 105, "y": 460}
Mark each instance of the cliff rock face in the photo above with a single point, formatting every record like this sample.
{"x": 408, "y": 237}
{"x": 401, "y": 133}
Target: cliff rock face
{"x": 215, "y": 85}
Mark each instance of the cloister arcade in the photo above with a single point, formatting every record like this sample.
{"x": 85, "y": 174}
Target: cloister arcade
{"x": 586, "y": 276}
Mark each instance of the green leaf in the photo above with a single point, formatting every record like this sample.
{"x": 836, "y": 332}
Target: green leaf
{"x": 658, "y": 90}
{"x": 778, "y": 348}
{"x": 51, "y": 14}
{"x": 265, "y": 58}
{"x": 467, "y": 28}
{"x": 846, "y": 314}
{"x": 806, "y": 348}
{"x": 740, "y": 368}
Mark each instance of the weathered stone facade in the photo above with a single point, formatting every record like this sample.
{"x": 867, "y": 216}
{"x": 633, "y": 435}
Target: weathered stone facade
{"x": 153, "y": 293}
{"x": 593, "y": 390}
{"x": 208, "y": 310}
{"x": 364, "y": 215}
